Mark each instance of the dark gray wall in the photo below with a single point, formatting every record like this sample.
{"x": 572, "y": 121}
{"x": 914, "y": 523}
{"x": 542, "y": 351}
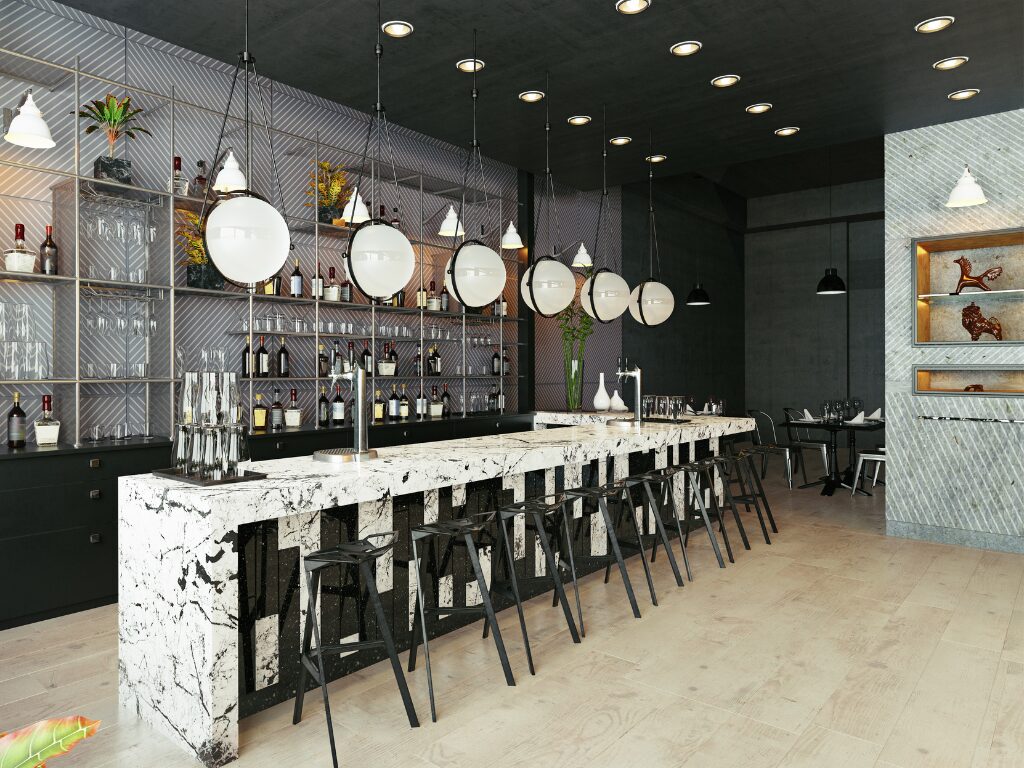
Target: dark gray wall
{"x": 802, "y": 348}
{"x": 699, "y": 350}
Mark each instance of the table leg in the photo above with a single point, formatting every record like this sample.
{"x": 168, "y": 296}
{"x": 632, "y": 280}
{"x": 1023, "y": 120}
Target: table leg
{"x": 834, "y": 480}
{"x": 848, "y": 478}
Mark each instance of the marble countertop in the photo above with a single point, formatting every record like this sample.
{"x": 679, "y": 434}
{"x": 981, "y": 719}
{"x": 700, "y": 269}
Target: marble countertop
{"x": 300, "y": 484}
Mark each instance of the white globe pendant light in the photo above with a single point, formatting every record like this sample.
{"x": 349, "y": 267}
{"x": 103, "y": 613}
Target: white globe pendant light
{"x": 28, "y": 129}
{"x": 651, "y": 303}
{"x": 604, "y": 295}
{"x": 380, "y": 259}
{"x": 246, "y": 238}
{"x": 355, "y": 209}
{"x": 548, "y": 286}
{"x": 967, "y": 192}
{"x": 511, "y": 239}
{"x": 475, "y": 274}
{"x": 230, "y": 178}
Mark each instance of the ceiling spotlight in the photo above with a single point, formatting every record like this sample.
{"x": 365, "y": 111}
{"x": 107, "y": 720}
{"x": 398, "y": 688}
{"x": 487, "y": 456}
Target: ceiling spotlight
{"x": 759, "y": 109}
{"x": 789, "y": 130}
{"x": 631, "y": 7}
{"x": 937, "y": 24}
{"x": 656, "y": 158}
{"x": 397, "y": 28}
{"x": 963, "y": 94}
{"x": 470, "y": 65}
{"x": 579, "y": 119}
{"x": 951, "y": 63}
{"x": 685, "y": 48}
{"x": 620, "y": 141}
{"x": 531, "y": 96}
{"x": 724, "y": 81}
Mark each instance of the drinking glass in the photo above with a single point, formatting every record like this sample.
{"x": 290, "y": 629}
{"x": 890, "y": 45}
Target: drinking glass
{"x": 120, "y": 231}
{"x": 3, "y": 321}
{"x": 139, "y": 370}
{"x": 119, "y": 431}
{"x": 115, "y": 370}
{"x": 18, "y": 322}
{"x": 96, "y": 433}
{"x": 646, "y": 404}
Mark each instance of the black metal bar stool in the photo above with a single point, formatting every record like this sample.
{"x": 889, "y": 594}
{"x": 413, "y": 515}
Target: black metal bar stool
{"x": 472, "y": 533}
{"x": 735, "y": 469}
{"x": 652, "y": 509}
{"x": 595, "y": 499}
{"x": 547, "y": 517}
{"x": 664, "y": 479}
{"x": 701, "y": 477}
{"x": 755, "y": 485}
{"x": 357, "y": 559}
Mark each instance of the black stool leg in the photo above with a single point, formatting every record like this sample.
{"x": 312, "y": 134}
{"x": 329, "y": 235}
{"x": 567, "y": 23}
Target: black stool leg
{"x": 626, "y": 501}
{"x": 727, "y": 492}
{"x": 421, "y": 615}
{"x": 312, "y": 585}
{"x": 572, "y": 569}
{"x": 307, "y": 642}
{"x": 614, "y": 541}
{"x": 740, "y": 472}
{"x": 767, "y": 509}
{"x": 389, "y": 644}
{"x": 717, "y": 511}
{"x": 694, "y": 476}
{"x": 670, "y": 502}
{"x": 549, "y": 557}
{"x": 510, "y": 560}
{"x": 485, "y": 598}
{"x": 662, "y": 534}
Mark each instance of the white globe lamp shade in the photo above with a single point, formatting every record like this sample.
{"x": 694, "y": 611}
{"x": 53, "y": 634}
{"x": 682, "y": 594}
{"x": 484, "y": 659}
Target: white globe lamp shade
{"x": 511, "y": 239}
{"x": 548, "y": 287}
{"x": 380, "y": 260}
{"x": 246, "y": 238}
{"x": 478, "y": 277}
{"x": 451, "y": 226}
{"x": 582, "y": 259}
{"x": 355, "y": 209}
{"x": 966, "y": 192}
{"x": 651, "y": 303}
{"x": 610, "y": 295}
{"x": 28, "y": 129}
{"x": 230, "y": 178}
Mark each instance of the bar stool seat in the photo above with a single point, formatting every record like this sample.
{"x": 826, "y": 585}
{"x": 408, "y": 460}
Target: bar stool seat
{"x": 359, "y": 556}
{"x": 878, "y": 457}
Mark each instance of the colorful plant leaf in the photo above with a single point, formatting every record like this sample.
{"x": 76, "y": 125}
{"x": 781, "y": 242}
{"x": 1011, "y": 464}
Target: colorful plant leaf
{"x": 33, "y": 745}
{"x": 116, "y": 117}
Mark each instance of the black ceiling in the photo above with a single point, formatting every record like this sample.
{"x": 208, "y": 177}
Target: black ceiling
{"x": 842, "y": 71}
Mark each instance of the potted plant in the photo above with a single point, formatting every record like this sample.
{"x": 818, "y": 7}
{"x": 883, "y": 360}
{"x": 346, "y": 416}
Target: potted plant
{"x": 329, "y": 192}
{"x": 576, "y": 326}
{"x": 116, "y": 118}
{"x": 199, "y": 270}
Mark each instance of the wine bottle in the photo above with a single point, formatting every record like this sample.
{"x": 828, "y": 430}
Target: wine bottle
{"x": 492, "y": 398}
{"x": 436, "y": 406}
{"x": 262, "y": 360}
{"x": 323, "y": 364}
{"x": 246, "y": 361}
{"x": 421, "y": 298}
{"x": 338, "y": 408}
{"x": 259, "y": 413}
{"x": 337, "y": 366}
{"x": 19, "y": 237}
{"x": 296, "y": 283}
{"x": 318, "y": 284}
{"x": 293, "y": 414}
{"x": 351, "y": 356}
{"x": 332, "y": 292}
{"x": 199, "y": 182}
{"x": 277, "y": 411}
{"x": 421, "y": 403}
{"x": 178, "y": 184}
{"x": 445, "y": 299}
{"x": 446, "y": 403}
{"x": 395, "y": 221}
{"x": 394, "y": 405}
{"x": 345, "y": 290}
{"x": 417, "y": 365}
{"x": 403, "y": 405}
{"x": 283, "y": 366}
{"x": 367, "y": 362}
{"x": 47, "y": 428}
{"x": 505, "y": 364}
{"x": 16, "y": 424}
{"x": 393, "y": 354}
{"x": 433, "y": 302}
{"x": 323, "y": 416}
{"x": 378, "y": 407}
{"x": 495, "y": 363}
{"x": 48, "y": 253}
{"x": 435, "y": 362}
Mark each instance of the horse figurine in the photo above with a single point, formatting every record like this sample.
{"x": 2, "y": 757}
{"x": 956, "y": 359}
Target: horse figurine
{"x": 976, "y": 323}
{"x": 967, "y": 280}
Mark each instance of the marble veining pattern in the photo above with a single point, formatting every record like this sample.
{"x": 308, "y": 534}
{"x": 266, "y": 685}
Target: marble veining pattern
{"x": 267, "y": 649}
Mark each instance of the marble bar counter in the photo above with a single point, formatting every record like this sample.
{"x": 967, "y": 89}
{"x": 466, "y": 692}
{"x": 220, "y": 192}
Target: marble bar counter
{"x": 210, "y": 601}
{"x": 543, "y": 419}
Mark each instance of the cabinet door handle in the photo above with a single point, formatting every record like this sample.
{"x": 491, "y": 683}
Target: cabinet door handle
{"x": 279, "y": 446}
{"x": 95, "y": 463}
{"x": 405, "y": 433}
{"x": 95, "y": 538}
{"x": 94, "y": 494}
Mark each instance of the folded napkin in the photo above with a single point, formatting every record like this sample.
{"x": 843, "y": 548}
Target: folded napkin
{"x": 876, "y": 414}
{"x": 690, "y": 411}
{"x": 858, "y": 419}
{"x": 807, "y": 415}
{"x": 707, "y": 408}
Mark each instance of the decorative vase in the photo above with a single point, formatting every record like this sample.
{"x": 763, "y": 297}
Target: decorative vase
{"x": 601, "y": 400}
{"x": 117, "y": 169}
{"x": 617, "y": 402}
{"x": 204, "y": 276}
{"x": 328, "y": 214}
{"x": 573, "y": 385}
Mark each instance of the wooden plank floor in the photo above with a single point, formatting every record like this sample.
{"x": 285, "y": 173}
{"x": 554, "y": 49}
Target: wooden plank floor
{"x": 835, "y": 646}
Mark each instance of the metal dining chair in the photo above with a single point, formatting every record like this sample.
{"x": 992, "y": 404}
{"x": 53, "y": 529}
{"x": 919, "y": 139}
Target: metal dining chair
{"x": 860, "y": 474}
{"x": 800, "y": 440}
{"x": 767, "y": 440}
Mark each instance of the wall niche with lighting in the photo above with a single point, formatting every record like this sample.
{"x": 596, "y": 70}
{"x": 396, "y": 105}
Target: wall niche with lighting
{"x": 977, "y": 380}
{"x": 969, "y": 288}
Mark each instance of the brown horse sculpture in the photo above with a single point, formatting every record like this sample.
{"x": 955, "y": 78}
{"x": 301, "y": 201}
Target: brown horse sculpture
{"x": 967, "y": 280}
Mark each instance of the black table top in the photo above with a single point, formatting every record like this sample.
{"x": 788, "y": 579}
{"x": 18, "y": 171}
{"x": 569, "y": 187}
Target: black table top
{"x": 836, "y": 426}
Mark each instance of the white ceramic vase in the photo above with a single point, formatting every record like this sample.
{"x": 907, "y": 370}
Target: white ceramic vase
{"x": 617, "y": 402}
{"x": 601, "y": 400}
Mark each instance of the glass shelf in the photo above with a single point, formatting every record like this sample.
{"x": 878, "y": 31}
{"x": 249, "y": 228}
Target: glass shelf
{"x": 970, "y": 294}
{"x": 34, "y": 277}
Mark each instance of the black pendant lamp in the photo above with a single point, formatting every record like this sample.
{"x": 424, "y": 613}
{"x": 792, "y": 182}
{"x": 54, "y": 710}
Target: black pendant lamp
{"x": 698, "y": 297}
{"x": 831, "y": 284}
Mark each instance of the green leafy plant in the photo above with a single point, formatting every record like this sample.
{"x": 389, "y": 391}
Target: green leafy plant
{"x": 115, "y": 117}
{"x": 33, "y": 745}
{"x": 190, "y": 237}
{"x": 576, "y": 326}
{"x": 328, "y": 186}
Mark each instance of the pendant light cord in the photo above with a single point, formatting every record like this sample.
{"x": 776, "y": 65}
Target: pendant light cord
{"x": 474, "y": 160}
{"x": 552, "y": 201}
{"x": 602, "y": 208}
{"x": 653, "y": 228}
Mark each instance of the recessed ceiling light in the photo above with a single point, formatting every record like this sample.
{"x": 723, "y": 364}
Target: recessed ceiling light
{"x": 470, "y": 65}
{"x": 963, "y": 94}
{"x": 685, "y": 48}
{"x": 656, "y": 158}
{"x": 397, "y": 28}
{"x": 630, "y": 7}
{"x": 789, "y": 130}
{"x": 724, "y": 81}
{"x": 531, "y": 96}
{"x": 936, "y": 24}
{"x": 951, "y": 63}
{"x": 620, "y": 141}
{"x": 759, "y": 109}
{"x": 579, "y": 119}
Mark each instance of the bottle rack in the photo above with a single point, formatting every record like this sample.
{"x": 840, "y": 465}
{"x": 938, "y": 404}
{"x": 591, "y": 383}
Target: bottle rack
{"x": 142, "y": 268}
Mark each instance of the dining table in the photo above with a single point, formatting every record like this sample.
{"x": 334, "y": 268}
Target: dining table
{"x": 836, "y": 479}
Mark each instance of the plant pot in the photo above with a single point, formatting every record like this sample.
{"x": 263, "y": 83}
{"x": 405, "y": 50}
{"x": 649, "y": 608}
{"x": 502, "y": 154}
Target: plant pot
{"x": 204, "y": 276}
{"x": 117, "y": 169}
{"x": 328, "y": 214}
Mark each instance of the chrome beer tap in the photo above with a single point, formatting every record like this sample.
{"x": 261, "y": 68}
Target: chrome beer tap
{"x": 625, "y": 372}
